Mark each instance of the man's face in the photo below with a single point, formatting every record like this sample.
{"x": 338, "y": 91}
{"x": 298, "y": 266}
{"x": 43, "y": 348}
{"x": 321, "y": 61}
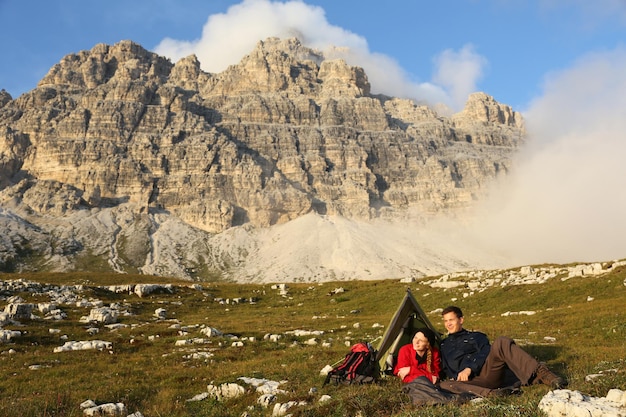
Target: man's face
{"x": 452, "y": 323}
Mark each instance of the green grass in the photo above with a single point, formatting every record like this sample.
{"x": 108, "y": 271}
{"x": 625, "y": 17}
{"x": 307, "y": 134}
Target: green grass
{"x": 148, "y": 373}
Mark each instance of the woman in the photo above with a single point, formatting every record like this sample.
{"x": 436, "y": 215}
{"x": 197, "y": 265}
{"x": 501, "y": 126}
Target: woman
{"x": 419, "y": 358}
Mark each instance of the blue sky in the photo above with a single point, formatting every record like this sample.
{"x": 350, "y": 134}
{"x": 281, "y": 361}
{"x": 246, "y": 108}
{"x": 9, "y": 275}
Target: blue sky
{"x": 562, "y": 63}
{"x": 509, "y": 46}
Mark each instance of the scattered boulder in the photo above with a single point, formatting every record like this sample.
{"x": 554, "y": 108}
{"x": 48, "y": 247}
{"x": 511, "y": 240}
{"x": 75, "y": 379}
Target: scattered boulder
{"x": 266, "y": 399}
{"x": 264, "y": 386}
{"x": 146, "y": 289}
{"x": 103, "y": 315}
{"x": 211, "y": 332}
{"x": 567, "y": 403}
{"x": 199, "y": 397}
{"x": 225, "y": 391}
{"x": 4, "y": 318}
{"x": 272, "y": 337}
{"x": 84, "y": 345}
{"x": 325, "y": 370}
{"x": 281, "y": 409}
{"x": 90, "y": 408}
{"x": 8, "y": 335}
{"x": 160, "y": 313}
{"x": 19, "y": 311}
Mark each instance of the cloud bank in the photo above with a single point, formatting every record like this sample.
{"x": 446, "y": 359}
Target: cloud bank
{"x": 228, "y": 37}
{"x": 566, "y": 199}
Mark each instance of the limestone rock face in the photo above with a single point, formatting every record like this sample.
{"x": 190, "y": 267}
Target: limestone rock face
{"x": 283, "y": 133}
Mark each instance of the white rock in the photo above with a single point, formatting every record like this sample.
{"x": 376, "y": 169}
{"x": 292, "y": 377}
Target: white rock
{"x": 264, "y": 386}
{"x": 266, "y": 399}
{"x": 325, "y": 370}
{"x": 300, "y": 333}
{"x": 84, "y": 345}
{"x": 225, "y": 391}
{"x": 567, "y": 403}
{"x": 19, "y": 311}
{"x": 4, "y": 318}
{"x": 8, "y": 335}
{"x": 275, "y": 338}
{"x": 116, "y": 326}
{"x": 145, "y": 289}
{"x": 280, "y": 409}
{"x": 447, "y": 284}
{"x": 45, "y": 308}
{"x": 324, "y": 398}
{"x": 109, "y": 409}
{"x": 87, "y": 404}
{"x": 211, "y": 332}
{"x": 104, "y": 315}
{"x": 617, "y": 396}
{"x": 160, "y": 313}
{"x": 199, "y": 397}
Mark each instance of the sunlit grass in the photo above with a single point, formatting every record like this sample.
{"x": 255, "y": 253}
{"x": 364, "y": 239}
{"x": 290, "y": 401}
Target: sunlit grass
{"x": 148, "y": 373}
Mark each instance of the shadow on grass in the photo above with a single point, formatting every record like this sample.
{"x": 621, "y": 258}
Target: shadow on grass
{"x": 547, "y": 353}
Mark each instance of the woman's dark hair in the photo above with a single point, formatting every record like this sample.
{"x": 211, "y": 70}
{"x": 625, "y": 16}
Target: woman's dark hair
{"x": 430, "y": 335}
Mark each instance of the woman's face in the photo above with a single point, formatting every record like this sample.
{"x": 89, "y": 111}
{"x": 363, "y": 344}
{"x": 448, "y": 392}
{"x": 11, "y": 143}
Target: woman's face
{"x": 420, "y": 342}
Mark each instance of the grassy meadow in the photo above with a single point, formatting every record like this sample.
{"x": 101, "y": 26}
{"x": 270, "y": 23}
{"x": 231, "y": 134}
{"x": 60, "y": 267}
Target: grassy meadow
{"x": 147, "y": 372}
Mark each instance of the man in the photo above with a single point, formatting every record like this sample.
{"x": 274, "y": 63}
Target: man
{"x": 474, "y": 366}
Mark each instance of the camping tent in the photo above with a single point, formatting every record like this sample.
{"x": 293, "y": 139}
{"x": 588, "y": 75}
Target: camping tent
{"x": 408, "y": 318}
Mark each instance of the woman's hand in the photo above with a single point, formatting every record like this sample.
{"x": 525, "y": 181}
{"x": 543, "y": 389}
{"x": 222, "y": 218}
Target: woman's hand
{"x": 404, "y": 372}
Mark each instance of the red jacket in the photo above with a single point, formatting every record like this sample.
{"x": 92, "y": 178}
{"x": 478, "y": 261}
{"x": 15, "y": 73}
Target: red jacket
{"x": 407, "y": 356}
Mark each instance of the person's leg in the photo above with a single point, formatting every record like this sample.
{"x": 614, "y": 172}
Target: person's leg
{"x": 459, "y": 387}
{"x": 506, "y": 352}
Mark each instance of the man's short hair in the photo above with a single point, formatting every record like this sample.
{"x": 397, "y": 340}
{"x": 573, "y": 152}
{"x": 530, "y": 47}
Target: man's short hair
{"x": 452, "y": 309}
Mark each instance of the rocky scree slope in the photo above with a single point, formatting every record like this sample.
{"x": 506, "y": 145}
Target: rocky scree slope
{"x": 120, "y": 159}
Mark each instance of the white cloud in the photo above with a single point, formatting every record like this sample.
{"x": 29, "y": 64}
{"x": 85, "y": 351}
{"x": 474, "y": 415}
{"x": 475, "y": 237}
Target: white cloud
{"x": 566, "y": 199}
{"x": 228, "y": 37}
{"x": 459, "y": 72}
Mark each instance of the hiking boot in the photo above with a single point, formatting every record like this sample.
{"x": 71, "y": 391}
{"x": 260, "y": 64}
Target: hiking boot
{"x": 463, "y": 398}
{"x": 504, "y": 392}
{"x": 545, "y": 376}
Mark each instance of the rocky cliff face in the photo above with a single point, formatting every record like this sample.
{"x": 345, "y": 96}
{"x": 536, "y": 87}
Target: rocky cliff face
{"x": 116, "y": 142}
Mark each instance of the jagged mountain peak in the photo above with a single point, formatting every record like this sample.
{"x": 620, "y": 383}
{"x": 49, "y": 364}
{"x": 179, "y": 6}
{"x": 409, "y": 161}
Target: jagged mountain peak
{"x": 118, "y": 132}
{"x": 124, "y": 60}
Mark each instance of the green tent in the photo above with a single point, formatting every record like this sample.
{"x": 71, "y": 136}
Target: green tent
{"x": 408, "y": 318}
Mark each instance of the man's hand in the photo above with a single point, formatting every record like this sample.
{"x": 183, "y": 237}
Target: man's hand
{"x": 464, "y": 375}
{"x": 404, "y": 372}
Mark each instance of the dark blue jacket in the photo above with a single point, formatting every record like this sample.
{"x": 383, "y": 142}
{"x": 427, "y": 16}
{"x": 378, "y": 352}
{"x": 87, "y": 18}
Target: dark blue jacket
{"x": 462, "y": 350}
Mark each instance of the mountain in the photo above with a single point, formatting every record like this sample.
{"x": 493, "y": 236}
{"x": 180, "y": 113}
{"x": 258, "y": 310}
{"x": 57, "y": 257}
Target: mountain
{"x": 121, "y": 160}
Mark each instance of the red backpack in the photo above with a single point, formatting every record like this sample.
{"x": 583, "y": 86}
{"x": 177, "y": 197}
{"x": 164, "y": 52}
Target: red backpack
{"x": 358, "y": 367}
